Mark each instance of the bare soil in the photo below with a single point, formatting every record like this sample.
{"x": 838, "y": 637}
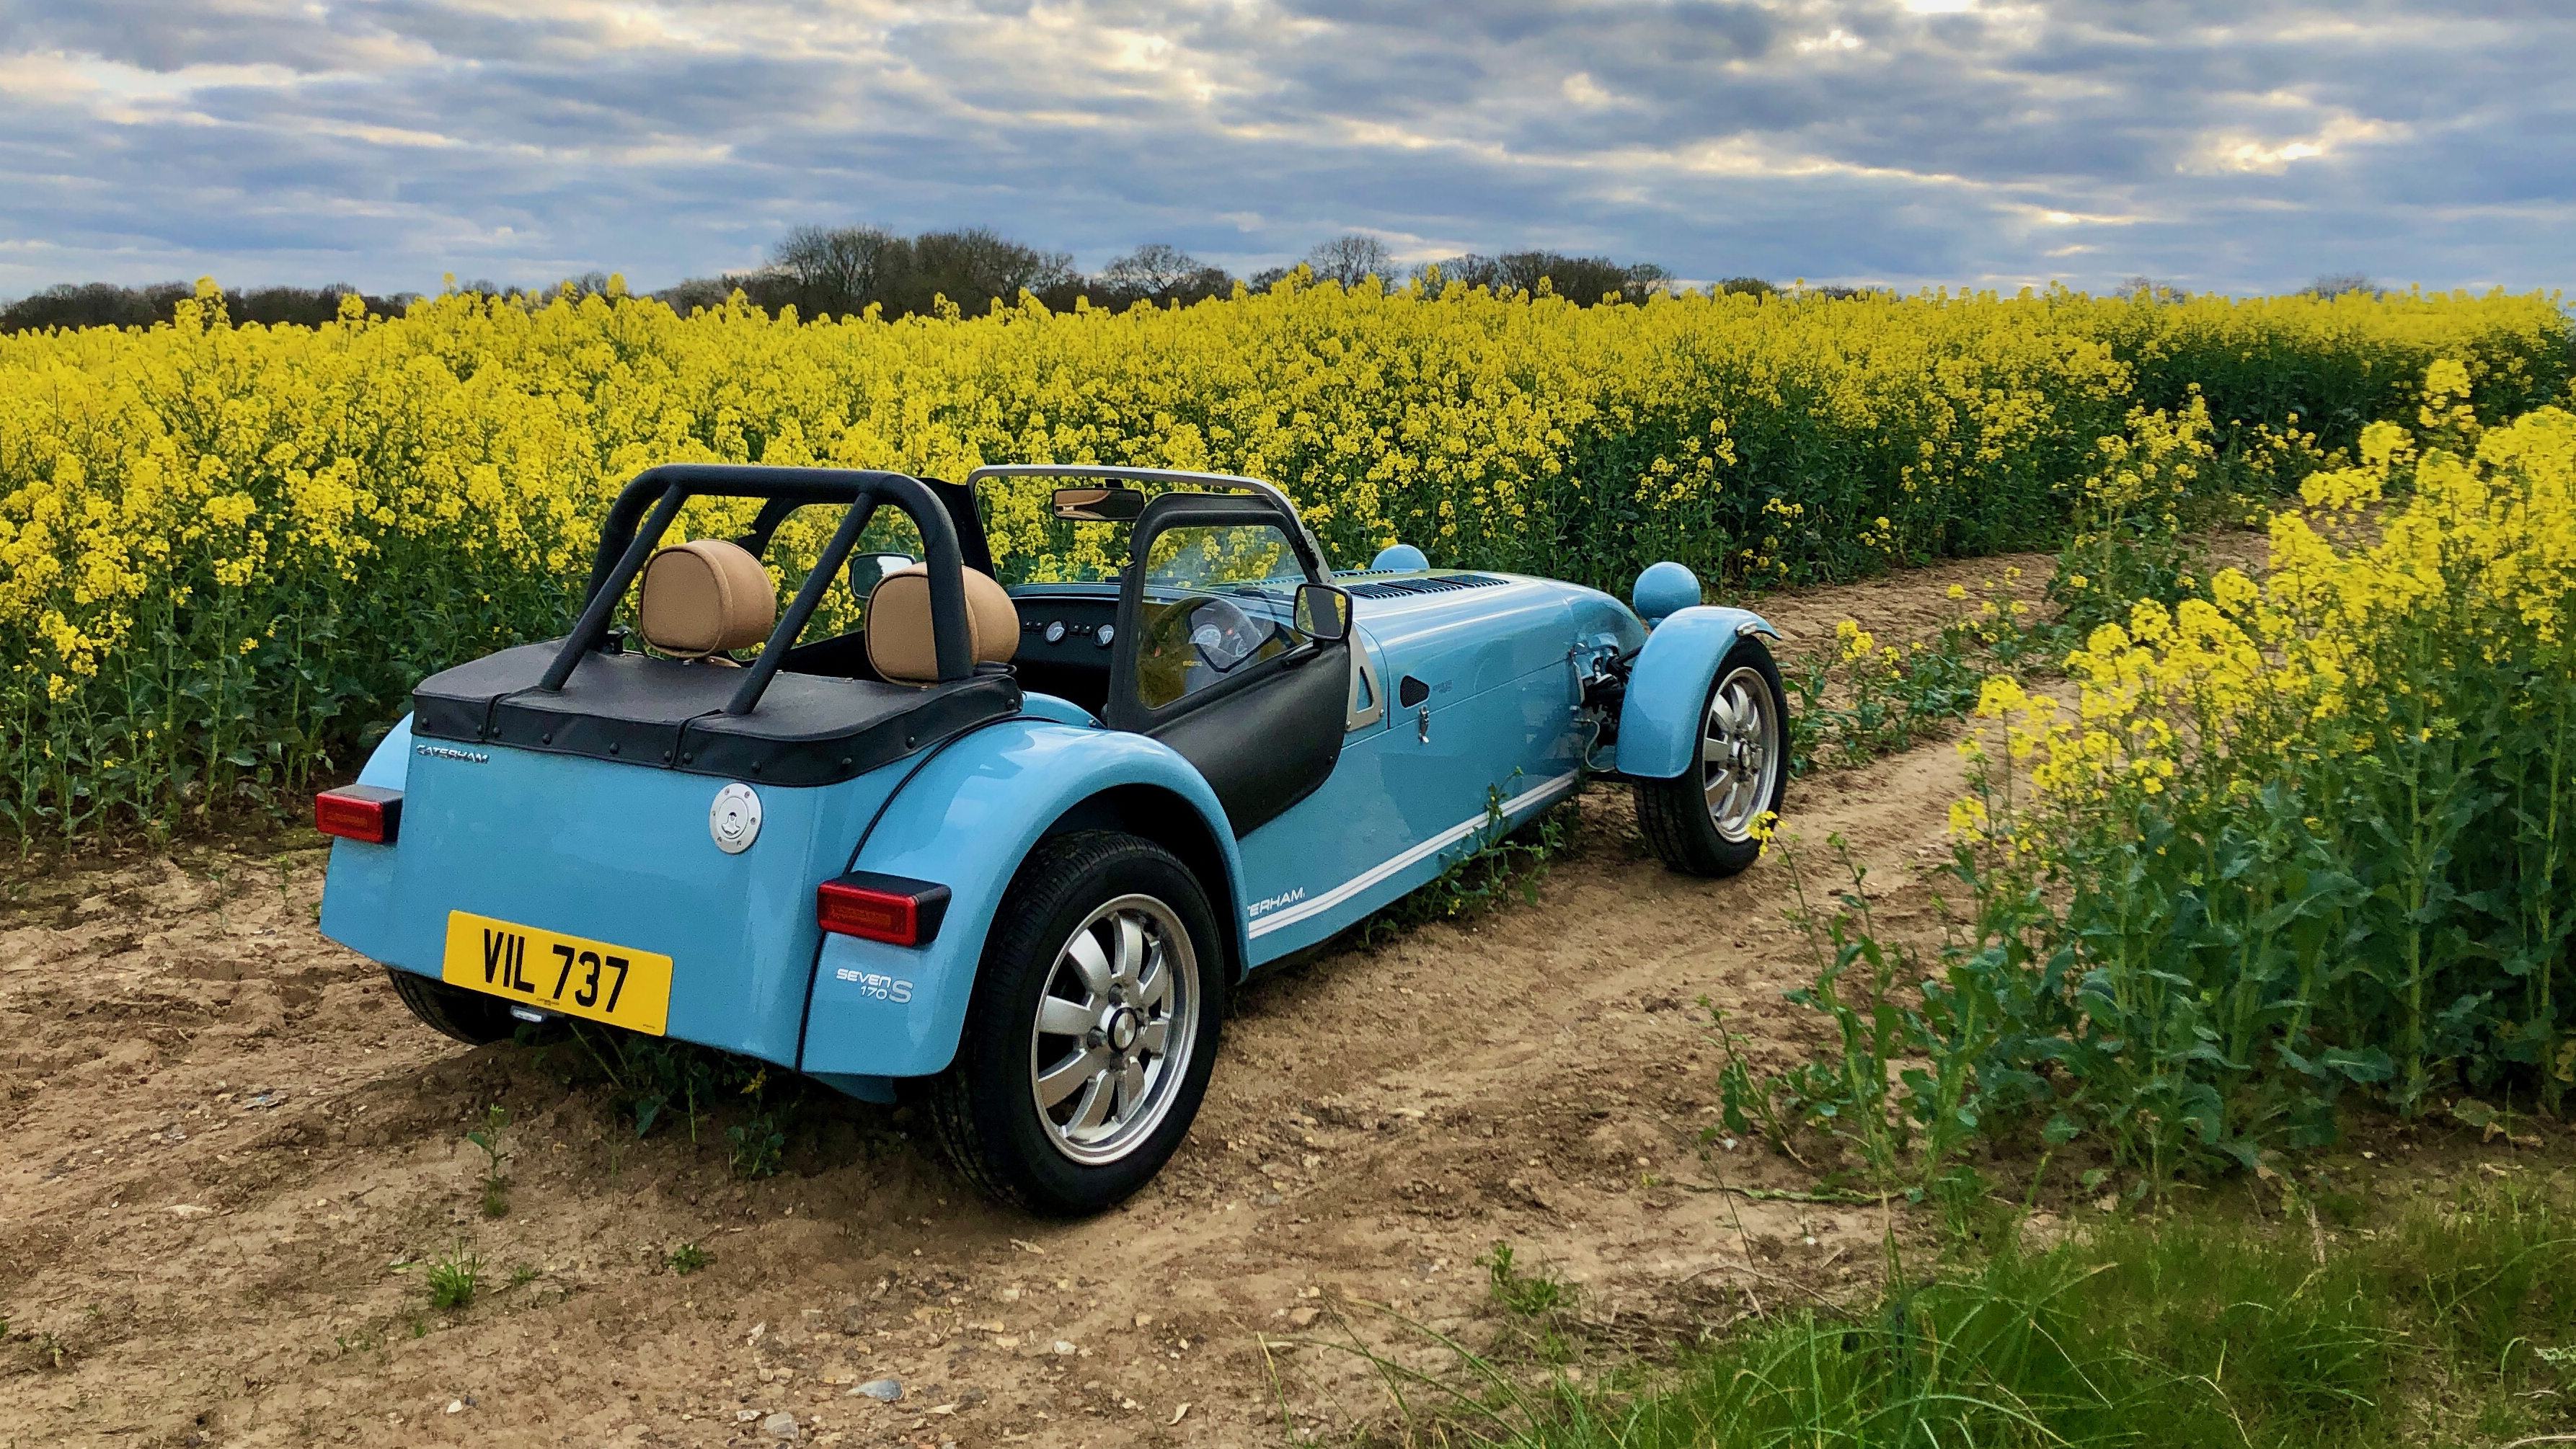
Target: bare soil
{"x": 230, "y": 1155}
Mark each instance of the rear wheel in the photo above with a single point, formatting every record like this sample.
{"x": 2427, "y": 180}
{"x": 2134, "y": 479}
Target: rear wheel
{"x": 1702, "y": 822}
{"x": 1092, "y": 1030}
{"x": 468, "y": 1016}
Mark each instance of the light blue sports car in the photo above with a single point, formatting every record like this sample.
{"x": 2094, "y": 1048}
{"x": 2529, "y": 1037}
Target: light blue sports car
{"x": 1007, "y": 845}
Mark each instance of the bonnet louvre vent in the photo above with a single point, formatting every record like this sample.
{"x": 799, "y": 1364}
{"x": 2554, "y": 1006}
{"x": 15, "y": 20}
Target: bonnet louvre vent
{"x": 1422, "y": 584}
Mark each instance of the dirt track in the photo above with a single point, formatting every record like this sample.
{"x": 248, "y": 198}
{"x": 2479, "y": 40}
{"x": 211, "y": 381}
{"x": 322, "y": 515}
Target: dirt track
{"x": 223, "y": 1131}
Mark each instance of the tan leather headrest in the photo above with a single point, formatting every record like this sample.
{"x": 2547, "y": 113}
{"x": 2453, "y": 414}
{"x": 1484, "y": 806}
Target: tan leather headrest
{"x": 703, "y": 597}
{"x": 898, "y": 627}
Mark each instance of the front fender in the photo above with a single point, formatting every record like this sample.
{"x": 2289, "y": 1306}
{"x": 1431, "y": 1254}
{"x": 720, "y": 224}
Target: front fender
{"x": 1659, "y": 725}
{"x": 967, "y": 820}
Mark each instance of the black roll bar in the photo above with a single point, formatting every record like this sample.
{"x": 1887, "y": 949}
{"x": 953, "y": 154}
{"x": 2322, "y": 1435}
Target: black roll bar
{"x": 624, "y": 546}
{"x": 765, "y": 527}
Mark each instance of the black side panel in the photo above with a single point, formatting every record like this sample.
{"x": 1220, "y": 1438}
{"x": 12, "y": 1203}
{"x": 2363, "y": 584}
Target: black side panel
{"x": 639, "y": 710}
{"x": 626, "y": 707}
{"x": 1268, "y": 736}
{"x": 804, "y": 733}
{"x": 1265, "y": 748}
{"x": 456, "y": 704}
{"x": 843, "y": 656}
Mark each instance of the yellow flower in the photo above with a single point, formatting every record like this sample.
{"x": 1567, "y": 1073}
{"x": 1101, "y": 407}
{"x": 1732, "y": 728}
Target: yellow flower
{"x": 2000, "y": 697}
{"x": 1853, "y": 642}
{"x": 430, "y": 487}
{"x": 1967, "y": 817}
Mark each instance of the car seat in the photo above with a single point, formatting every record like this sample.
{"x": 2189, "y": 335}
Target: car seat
{"x": 900, "y": 646}
{"x": 704, "y": 597}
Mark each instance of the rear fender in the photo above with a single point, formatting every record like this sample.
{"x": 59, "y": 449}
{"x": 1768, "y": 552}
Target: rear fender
{"x": 1659, "y": 725}
{"x": 967, "y": 820}
{"x": 361, "y": 877}
{"x": 390, "y": 764}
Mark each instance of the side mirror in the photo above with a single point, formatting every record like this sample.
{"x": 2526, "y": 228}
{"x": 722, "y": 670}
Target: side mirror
{"x": 1323, "y": 613}
{"x": 867, "y": 570}
{"x": 1100, "y": 505}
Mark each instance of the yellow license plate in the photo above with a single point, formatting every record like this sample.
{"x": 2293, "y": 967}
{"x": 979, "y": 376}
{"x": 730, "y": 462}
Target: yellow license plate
{"x": 555, "y": 972}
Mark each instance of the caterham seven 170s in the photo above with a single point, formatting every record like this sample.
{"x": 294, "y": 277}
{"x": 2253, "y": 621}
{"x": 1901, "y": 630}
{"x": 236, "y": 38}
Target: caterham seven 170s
{"x": 1006, "y": 844}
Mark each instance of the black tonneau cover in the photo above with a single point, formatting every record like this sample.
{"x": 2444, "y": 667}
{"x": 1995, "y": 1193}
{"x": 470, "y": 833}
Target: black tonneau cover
{"x": 637, "y": 709}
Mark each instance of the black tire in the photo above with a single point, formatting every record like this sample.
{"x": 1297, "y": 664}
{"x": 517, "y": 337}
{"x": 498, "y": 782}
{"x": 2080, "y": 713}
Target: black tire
{"x": 468, "y": 1016}
{"x": 1676, "y": 816}
{"x": 985, "y": 1108}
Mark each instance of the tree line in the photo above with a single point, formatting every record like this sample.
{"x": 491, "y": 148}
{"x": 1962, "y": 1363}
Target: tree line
{"x": 2327, "y": 287}
{"x": 842, "y": 271}
{"x": 105, "y": 304}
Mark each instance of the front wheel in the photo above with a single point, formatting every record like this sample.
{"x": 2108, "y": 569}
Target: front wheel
{"x": 1092, "y": 1030}
{"x": 1702, "y": 822}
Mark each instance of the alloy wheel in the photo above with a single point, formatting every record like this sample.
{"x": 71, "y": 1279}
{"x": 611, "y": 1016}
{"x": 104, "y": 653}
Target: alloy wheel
{"x": 1114, "y": 1026}
{"x": 1740, "y": 752}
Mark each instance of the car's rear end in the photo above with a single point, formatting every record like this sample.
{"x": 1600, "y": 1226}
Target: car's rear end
{"x": 592, "y": 888}
{"x": 644, "y": 837}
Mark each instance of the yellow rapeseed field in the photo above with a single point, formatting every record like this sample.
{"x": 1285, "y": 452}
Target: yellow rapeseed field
{"x": 2311, "y": 831}
{"x": 230, "y": 551}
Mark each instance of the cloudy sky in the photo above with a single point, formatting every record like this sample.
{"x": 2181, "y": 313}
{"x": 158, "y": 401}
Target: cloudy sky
{"x": 2246, "y": 145}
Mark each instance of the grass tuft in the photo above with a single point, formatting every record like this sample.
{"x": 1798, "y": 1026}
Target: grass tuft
{"x": 496, "y": 1184}
{"x": 1523, "y": 1293}
{"x": 453, "y": 1278}
{"x": 756, "y": 1148}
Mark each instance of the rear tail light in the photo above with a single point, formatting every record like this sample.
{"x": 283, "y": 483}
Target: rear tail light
{"x": 889, "y": 908}
{"x": 370, "y": 813}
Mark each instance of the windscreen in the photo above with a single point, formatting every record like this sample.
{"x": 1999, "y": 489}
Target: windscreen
{"x": 1031, "y": 545}
{"x": 1218, "y": 600}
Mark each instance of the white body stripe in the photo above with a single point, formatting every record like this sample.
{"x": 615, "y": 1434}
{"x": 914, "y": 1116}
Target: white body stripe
{"x": 1517, "y": 805}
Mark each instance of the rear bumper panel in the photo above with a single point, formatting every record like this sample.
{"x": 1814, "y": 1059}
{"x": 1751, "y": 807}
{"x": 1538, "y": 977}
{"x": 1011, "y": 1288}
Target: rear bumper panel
{"x": 616, "y": 853}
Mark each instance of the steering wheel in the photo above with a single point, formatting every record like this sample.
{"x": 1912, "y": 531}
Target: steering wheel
{"x": 1224, "y": 634}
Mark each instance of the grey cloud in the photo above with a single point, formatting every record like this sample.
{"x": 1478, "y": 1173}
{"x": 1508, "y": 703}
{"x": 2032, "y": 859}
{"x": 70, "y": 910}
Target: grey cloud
{"x": 157, "y": 35}
{"x": 1835, "y": 139}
